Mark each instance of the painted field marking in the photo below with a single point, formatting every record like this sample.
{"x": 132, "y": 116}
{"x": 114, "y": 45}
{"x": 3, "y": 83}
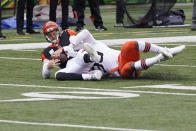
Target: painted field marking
{"x": 175, "y": 65}
{"x": 53, "y": 95}
{"x": 14, "y": 58}
{"x": 71, "y": 125}
{"x": 14, "y": 40}
{"x": 166, "y": 86}
{"x": 162, "y": 93}
{"x": 135, "y": 33}
{"x": 20, "y": 37}
{"x": 26, "y": 100}
{"x": 156, "y": 40}
{"x": 108, "y": 92}
{"x": 159, "y": 33}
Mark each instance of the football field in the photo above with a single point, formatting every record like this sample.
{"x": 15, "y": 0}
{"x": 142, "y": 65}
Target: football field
{"x": 162, "y": 99}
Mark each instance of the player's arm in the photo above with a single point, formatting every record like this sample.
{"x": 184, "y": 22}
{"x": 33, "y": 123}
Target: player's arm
{"x": 47, "y": 66}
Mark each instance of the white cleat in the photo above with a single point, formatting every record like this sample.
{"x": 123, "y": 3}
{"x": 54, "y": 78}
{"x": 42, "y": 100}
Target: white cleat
{"x": 173, "y": 51}
{"x": 166, "y": 52}
{"x": 96, "y": 75}
{"x": 160, "y": 57}
{"x": 93, "y": 54}
{"x": 177, "y": 49}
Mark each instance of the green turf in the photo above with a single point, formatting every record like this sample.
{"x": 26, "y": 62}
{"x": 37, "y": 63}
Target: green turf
{"x": 149, "y": 111}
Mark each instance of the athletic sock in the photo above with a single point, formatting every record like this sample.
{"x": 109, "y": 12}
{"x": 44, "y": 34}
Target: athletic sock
{"x": 146, "y": 63}
{"x": 148, "y": 47}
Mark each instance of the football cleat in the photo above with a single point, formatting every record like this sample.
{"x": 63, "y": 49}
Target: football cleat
{"x": 93, "y": 54}
{"x": 177, "y": 49}
{"x": 166, "y": 52}
{"x": 161, "y": 57}
{"x": 96, "y": 75}
{"x": 173, "y": 51}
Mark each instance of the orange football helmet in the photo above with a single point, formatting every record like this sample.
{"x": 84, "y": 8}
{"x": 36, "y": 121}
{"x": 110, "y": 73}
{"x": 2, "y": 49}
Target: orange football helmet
{"x": 49, "y": 27}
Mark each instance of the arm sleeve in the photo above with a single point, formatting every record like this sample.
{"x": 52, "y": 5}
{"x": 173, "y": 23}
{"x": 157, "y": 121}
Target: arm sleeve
{"x": 45, "y": 70}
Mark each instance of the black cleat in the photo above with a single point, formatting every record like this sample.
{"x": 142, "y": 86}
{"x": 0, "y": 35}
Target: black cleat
{"x": 2, "y": 36}
{"x": 79, "y": 28}
{"x": 20, "y": 32}
{"x": 118, "y": 25}
{"x": 101, "y": 28}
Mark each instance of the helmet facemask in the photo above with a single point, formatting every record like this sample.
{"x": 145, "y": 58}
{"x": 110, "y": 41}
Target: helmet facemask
{"x": 49, "y": 36}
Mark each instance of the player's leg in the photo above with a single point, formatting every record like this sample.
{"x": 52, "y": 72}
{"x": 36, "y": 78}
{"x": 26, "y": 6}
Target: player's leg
{"x": 92, "y": 75}
{"x": 176, "y": 50}
{"x": 92, "y": 53}
{"x": 129, "y": 54}
{"x": 149, "y": 47}
{"x": 133, "y": 69}
{"x": 83, "y": 37}
{"x": 85, "y": 60}
{"x": 146, "y": 63}
{"x": 129, "y": 59}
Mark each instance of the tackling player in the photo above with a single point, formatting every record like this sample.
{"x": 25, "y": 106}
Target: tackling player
{"x": 125, "y": 63}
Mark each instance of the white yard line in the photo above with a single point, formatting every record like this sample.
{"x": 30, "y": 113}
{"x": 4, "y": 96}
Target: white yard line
{"x": 166, "y": 86}
{"x": 71, "y": 125}
{"x": 156, "y": 40}
{"x": 103, "y": 93}
{"x": 172, "y": 86}
{"x": 26, "y": 100}
{"x": 175, "y": 65}
{"x": 14, "y": 58}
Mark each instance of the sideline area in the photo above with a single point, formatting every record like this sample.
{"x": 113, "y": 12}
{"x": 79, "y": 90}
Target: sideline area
{"x": 109, "y": 42}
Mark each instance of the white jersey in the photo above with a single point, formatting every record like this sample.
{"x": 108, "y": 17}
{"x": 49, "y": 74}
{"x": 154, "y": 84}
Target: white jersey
{"x": 77, "y": 64}
{"x": 109, "y": 58}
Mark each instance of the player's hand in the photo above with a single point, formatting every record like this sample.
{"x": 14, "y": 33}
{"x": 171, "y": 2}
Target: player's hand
{"x": 57, "y": 53}
{"x": 53, "y": 63}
